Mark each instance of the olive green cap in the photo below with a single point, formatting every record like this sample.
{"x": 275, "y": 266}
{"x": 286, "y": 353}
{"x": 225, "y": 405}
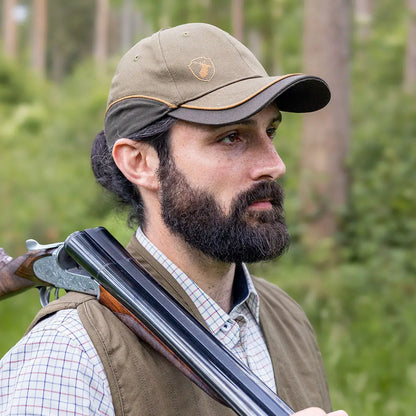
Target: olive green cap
{"x": 197, "y": 72}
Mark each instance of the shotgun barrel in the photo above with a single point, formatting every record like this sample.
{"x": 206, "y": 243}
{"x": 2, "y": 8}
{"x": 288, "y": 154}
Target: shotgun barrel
{"x": 101, "y": 255}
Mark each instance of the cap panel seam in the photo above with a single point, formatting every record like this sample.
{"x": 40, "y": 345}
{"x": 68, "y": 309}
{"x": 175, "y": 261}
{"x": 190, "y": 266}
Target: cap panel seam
{"x": 166, "y": 65}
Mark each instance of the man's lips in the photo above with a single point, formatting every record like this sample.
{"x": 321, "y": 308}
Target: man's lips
{"x": 261, "y": 205}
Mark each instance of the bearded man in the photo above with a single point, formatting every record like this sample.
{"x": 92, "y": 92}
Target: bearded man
{"x": 189, "y": 145}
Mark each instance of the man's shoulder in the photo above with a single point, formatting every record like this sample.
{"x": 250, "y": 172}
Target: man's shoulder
{"x": 69, "y": 301}
{"x": 57, "y": 335}
{"x": 65, "y": 322}
{"x": 62, "y": 330}
{"x": 59, "y": 326}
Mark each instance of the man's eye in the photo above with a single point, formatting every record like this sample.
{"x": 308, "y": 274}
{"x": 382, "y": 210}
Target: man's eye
{"x": 230, "y": 138}
{"x": 271, "y": 132}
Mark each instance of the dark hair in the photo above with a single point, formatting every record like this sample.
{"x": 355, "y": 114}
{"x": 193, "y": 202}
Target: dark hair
{"x": 109, "y": 176}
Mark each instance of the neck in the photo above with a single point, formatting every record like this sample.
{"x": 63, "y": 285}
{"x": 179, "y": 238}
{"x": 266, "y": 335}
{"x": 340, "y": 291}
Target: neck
{"x": 215, "y": 278}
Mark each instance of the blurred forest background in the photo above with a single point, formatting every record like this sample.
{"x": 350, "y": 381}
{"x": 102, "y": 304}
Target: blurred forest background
{"x": 351, "y": 168}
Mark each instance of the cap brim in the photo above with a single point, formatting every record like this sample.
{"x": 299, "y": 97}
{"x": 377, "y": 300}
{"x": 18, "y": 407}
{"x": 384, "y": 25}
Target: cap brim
{"x": 296, "y": 93}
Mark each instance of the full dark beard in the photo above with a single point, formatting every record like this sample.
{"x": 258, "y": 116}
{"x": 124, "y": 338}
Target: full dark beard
{"x": 241, "y": 236}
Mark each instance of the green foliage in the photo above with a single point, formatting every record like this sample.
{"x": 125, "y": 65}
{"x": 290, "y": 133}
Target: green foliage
{"x": 48, "y": 189}
{"x": 380, "y": 225}
{"x": 72, "y": 25}
{"x": 382, "y": 194}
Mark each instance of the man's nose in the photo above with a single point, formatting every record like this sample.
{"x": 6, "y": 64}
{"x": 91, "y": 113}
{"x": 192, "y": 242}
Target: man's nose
{"x": 268, "y": 164}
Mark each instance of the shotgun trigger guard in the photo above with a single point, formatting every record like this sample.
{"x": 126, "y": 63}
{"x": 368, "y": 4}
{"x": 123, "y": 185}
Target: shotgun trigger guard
{"x": 60, "y": 273}
{"x": 45, "y": 295}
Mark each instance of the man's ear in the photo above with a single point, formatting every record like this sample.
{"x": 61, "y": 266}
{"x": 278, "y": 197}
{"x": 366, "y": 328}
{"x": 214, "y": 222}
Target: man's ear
{"x": 138, "y": 162}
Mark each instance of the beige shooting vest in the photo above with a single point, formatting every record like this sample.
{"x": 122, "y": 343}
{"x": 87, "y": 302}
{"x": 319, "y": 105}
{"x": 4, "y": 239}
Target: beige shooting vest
{"x": 143, "y": 383}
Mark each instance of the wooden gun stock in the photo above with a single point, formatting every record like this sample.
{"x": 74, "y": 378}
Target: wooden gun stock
{"x": 17, "y": 275}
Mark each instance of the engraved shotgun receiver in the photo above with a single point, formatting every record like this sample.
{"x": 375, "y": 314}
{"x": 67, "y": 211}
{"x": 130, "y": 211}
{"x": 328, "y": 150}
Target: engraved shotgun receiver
{"x": 46, "y": 267}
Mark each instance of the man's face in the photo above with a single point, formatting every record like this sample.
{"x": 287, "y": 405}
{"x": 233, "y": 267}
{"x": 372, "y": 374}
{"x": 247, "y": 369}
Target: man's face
{"x": 219, "y": 190}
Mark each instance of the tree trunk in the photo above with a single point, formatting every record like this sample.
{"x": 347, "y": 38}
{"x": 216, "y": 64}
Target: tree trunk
{"x": 409, "y": 82}
{"x": 40, "y": 24}
{"x": 127, "y": 16}
{"x": 363, "y": 14}
{"x": 325, "y": 141}
{"x": 237, "y": 16}
{"x": 9, "y": 28}
{"x": 102, "y": 14}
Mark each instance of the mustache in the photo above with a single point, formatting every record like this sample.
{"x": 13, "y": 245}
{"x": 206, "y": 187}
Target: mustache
{"x": 271, "y": 191}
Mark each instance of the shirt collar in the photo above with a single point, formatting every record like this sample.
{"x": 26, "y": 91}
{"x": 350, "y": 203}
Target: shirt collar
{"x": 245, "y": 292}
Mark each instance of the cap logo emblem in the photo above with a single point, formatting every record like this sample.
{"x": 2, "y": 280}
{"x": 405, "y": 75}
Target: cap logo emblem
{"x": 202, "y": 68}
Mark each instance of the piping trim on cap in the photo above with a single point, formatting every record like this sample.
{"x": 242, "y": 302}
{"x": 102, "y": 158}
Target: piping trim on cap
{"x": 141, "y": 96}
{"x": 193, "y": 107}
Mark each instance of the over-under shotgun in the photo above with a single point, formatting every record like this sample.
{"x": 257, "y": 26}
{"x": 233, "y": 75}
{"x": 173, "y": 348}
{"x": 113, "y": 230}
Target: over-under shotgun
{"x": 94, "y": 262}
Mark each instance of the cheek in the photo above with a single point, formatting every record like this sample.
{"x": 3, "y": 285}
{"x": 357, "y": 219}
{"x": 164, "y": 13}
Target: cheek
{"x": 222, "y": 177}
{"x": 203, "y": 170}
